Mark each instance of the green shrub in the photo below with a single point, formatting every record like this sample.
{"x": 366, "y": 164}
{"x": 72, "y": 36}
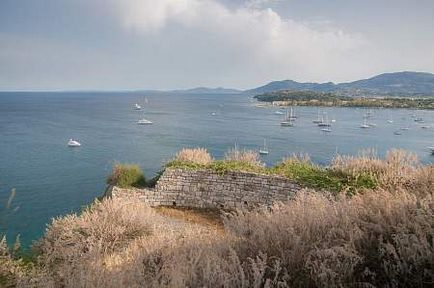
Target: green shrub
{"x": 126, "y": 175}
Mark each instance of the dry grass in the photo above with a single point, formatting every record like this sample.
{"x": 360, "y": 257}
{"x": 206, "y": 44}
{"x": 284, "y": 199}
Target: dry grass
{"x": 243, "y": 156}
{"x": 399, "y": 170}
{"x": 374, "y": 239}
{"x": 195, "y": 155}
{"x": 382, "y": 237}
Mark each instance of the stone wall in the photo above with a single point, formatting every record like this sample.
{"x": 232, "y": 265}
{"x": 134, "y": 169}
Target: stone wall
{"x": 205, "y": 188}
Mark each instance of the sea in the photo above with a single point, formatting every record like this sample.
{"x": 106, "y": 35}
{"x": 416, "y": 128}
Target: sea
{"x": 50, "y": 179}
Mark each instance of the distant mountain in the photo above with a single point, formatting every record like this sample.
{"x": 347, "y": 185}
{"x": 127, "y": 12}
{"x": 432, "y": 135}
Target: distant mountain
{"x": 398, "y": 84}
{"x": 206, "y": 90}
{"x": 292, "y": 85}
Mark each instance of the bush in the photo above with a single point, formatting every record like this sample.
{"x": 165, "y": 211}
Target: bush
{"x": 196, "y": 155}
{"x": 126, "y": 175}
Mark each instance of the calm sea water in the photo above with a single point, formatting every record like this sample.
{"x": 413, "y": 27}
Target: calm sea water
{"x": 51, "y": 179}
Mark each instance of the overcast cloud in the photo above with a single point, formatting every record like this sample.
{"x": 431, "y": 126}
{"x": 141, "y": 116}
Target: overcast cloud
{"x": 167, "y": 44}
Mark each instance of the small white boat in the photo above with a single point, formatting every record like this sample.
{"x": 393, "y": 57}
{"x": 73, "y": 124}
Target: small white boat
{"x": 431, "y": 148}
{"x": 418, "y": 119}
{"x": 278, "y": 112}
{"x": 73, "y": 143}
{"x": 405, "y": 128}
{"x": 213, "y": 114}
{"x": 292, "y": 115}
{"x": 318, "y": 119}
{"x": 286, "y": 124}
{"x": 365, "y": 124}
{"x": 397, "y": 132}
{"x": 390, "y": 121}
{"x": 325, "y": 123}
{"x": 425, "y": 127}
{"x": 264, "y": 150}
{"x": 287, "y": 121}
{"x": 326, "y": 129}
{"x": 137, "y": 107}
{"x": 144, "y": 122}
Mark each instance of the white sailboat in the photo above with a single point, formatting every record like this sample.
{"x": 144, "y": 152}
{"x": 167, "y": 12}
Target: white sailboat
{"x": 318, "y": 120}
{"x": 390, "y": 120}
{"x": 287, "y": 121}
{"x": 292, "y": 114}
{"x": 365, "y": 124}
{"x": 264, "y": 150}
{"x": 325, "y": 123}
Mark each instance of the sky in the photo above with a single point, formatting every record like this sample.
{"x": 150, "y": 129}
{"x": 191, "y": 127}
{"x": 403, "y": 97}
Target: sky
{"x": 176, "y": 44}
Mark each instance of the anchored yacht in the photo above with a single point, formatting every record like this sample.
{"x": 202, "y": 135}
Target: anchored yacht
{"x": 73, "y": 143}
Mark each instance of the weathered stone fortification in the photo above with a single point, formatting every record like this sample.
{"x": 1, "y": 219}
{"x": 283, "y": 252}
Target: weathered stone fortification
{"x": 208, "y": 189}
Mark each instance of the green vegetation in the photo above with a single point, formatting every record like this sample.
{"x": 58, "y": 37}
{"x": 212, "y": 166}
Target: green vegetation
{"x": 126, "y": 175}
{"x": 311, "y": 98}
{"x": 299, "y": 170}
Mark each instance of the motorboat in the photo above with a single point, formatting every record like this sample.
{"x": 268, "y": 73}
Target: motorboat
{"x": 73, "y": 143}
{"x": 144, "y": 122}
{"x": 137, "y": 107}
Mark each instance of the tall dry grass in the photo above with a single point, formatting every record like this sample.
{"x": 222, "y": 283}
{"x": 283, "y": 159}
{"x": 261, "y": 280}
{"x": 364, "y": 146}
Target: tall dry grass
{"x": 374, "y": 239}
{"x": 379, "y": 238}
{"x": 398, "y": 170}
{"x": 245, "y": 156}
{"x": 194, "y": 155}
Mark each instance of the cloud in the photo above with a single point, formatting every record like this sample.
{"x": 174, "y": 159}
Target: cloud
{"x": 258, "y": 37}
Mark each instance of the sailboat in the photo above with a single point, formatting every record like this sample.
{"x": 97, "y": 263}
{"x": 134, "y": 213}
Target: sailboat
{"x": 292, "y": 115}
{"x": 325, "y": 123}
{"x": 365, "y": 124}
{"x": 318, "y": 120}
{"x": 264, "y": 150}
{"x": 390, "y": 120}
{"x": 287, "y": 121}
